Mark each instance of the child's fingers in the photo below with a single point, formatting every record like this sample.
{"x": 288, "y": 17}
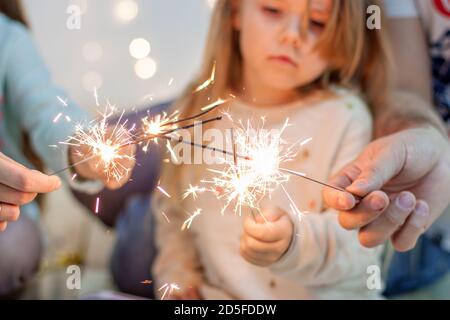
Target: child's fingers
{"x": 257, "y": 257}
{"x": 268, "y": 231}
{"x": 259, "y": 248}
{"x": 271, "y": 213}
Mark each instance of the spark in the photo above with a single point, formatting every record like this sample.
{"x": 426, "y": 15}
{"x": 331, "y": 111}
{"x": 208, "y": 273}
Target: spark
{"x": 165, "y": 216}
{"x": 245, "y": 182}
{"x": 146, "y": 282}
{"x": 97, "y": 205}
{"x": 96, "y": 97}
{"x": 193, "y": 191}
{"x": 187, "y": 224}
{"x": 215, "y": 104}
{"x": 58, "y": 116}
{"x": 158, "y": 124}
{"x": 104, "y": 143}
{"x": 64, "y": 102}
{"x": 209, "y": 81}
{"x": 164, "y": 192}
{"x": 170, "y": 82}
{"x": 168, "y": 288}
{"x": 306, "y": 141}
{"x": 74, "y": 176}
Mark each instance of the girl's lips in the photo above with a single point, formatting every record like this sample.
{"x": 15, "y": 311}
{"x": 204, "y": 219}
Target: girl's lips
{"x": 284, "y": 59}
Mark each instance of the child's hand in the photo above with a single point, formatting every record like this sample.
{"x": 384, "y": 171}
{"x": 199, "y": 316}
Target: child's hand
{"x": 189, "y": 294}
{"x": 266, "y": 240}
{"x": 94, "y": 170}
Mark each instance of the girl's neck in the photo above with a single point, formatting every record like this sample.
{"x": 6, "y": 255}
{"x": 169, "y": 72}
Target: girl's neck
{"x": 258, "y": 94}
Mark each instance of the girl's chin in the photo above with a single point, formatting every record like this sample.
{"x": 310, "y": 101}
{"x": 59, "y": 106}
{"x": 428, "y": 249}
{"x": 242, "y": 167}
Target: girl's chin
{"x": 282, "y": 83}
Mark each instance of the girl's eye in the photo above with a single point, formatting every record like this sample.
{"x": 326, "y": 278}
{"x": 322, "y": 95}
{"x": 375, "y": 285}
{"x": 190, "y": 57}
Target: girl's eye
{"x": 317, "y": 26}
{"x": 271, "y": 10}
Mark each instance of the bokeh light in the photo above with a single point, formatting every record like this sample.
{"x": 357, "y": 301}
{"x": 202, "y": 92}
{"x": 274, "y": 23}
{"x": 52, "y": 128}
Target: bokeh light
{"x": 92, "y": 80}
{"x": 126, "y": 10}
{"x": 145, "y": 68}
{"x": 139, "y": 48}
{"x": 92, "y": 51}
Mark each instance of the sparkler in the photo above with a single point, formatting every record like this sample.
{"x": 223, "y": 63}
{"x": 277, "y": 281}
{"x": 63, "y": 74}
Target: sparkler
{"x": 246, "y": 183}
{"x": 255, "y": 169}
{"x": 103, "y": 142}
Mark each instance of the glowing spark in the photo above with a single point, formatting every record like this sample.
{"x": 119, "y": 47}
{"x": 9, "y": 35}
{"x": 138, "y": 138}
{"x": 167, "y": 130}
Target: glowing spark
{"x": 208, "y": 82}
{"x": 96, "y": 97}
{"x": 68, "y": 119}
{"x": 193, "y": 191}
{"x": 97, "y": 205}
{"x": 165, "y": 216}
{"x": 214, "y": 104}
{"x": 170, "y": 82}
{"x": 305, "y": 142}
{"x": 168, "y": 288}
{"x": 64, "y": 102}
{"x": 187, "y": 224}
{"x": 58, "y": 116}
{"x": 74, "y": 176}
{"x": 158, "y": 124}
{"x": 164, "y": 192}
{"x": 245, "y": 182}
{"x": 146, "y": 282}
{"x": 104, "y": 143}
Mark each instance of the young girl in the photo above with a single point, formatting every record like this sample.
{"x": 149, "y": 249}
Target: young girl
{"x": 297, "y": 59}
{"x": 28, "y": 105}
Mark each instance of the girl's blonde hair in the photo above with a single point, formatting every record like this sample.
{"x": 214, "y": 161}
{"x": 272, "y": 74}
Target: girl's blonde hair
{"x": 357, "y": 57}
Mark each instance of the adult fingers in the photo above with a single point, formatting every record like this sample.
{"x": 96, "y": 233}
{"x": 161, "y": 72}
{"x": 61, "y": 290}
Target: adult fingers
{"x": 9, "y": 212}
{"x": 378, "y": 167}
{"x": 14, "y": 197}
{"x": 387, "y": 223}
{"x": 339, "y": 200}
{"x": 365, "y": 212}
{"x": 20, "y": 178}
{"x": 405, "y": 239}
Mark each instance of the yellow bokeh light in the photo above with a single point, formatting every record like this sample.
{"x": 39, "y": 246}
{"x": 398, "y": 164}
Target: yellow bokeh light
{"x": 139, "y": 48}
{"x": 145, "y": 68}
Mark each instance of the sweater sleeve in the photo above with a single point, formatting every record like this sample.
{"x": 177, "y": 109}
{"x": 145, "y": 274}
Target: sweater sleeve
{"x": 321, "y": 251}
{"x": 34, "y": 101}
{"x": 177, "y": 260}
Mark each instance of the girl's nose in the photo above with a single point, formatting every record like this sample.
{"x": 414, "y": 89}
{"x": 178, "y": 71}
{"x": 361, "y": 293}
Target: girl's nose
{"x": 291, "y": 32}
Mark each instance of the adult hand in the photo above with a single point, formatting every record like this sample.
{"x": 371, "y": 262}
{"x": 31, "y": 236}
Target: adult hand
{"x": 19, "y": 186}
{"x": 404, "y": 179}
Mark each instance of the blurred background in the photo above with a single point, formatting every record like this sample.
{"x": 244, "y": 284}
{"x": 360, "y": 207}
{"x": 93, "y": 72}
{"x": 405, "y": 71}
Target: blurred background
{"x": 135, "y": 54}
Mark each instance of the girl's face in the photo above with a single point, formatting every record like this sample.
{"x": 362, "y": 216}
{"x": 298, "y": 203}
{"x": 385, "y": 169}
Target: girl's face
{"x": 275, "y": 55}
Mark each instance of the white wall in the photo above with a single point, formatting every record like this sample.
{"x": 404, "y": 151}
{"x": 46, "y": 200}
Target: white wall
{"x": 175, "y": 29}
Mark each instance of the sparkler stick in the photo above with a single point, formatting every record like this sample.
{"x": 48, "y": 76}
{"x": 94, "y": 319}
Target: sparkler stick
{"x": 301, "y": 175}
